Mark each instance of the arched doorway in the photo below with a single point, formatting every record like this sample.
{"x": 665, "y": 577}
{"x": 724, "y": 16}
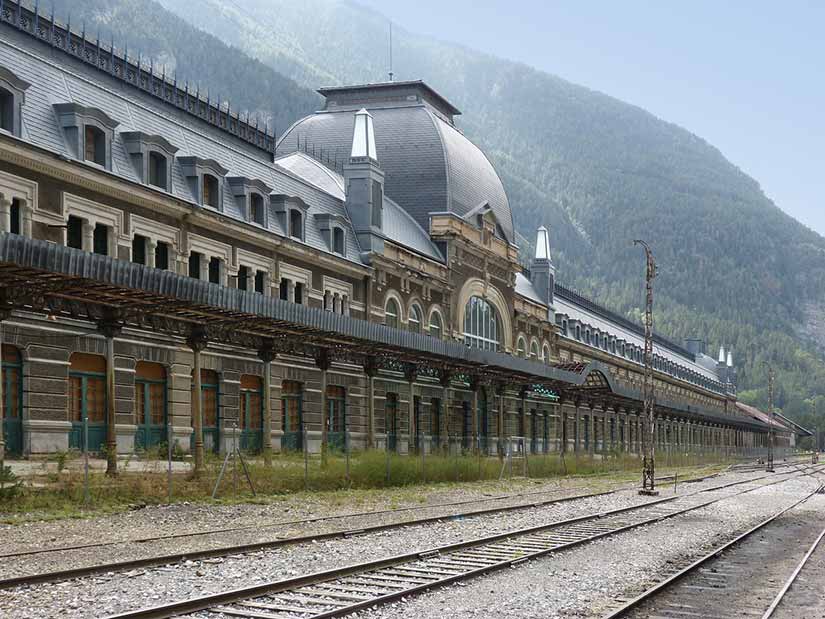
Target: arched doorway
{"x": 251, "y": 412}
{"x": 150, "y": 404}
{"x": 12, "y": 400}
{"x": 87, "y": 401}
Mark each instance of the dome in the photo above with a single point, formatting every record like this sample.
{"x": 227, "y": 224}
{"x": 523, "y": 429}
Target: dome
{"x": 429, "y": 166}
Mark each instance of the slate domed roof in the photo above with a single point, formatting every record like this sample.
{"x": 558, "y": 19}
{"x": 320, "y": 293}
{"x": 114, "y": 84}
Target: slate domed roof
{"x": 430, "y": 166}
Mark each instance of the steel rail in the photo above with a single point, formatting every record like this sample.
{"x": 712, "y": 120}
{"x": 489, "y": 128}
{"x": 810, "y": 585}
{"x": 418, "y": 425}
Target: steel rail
{"x": 781, "y": 595}
{"x": 672, "y": 579}
{"x": 222, "y": 551}
{"x": 481, "y": 555}
{"x": 284, "y": 523}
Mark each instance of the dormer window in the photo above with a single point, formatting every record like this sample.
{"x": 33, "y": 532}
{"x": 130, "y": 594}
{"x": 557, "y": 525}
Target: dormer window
{"x": 249, "y": 197}
{"x": 89, "y": 132}
{"x": 6, "y": 110}
{"x": 210, "y": 191}
{"x": 152, "y": 157}
{"x": 158, "y": 165}
{"x": 296, "y": 224}
{"x": 338, "y": 241}
{"x": 94, "y": 145}
{"x": 204, "y": 178}
{"x": 256, "y": 209}
{"x": 12, "y": 90}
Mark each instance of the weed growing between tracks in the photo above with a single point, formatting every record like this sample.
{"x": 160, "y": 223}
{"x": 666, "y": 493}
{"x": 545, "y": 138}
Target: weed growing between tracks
{"x": 60, "y": 494}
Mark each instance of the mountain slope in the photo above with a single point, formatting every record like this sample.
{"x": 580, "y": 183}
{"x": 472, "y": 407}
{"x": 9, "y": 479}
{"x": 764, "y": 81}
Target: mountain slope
{"x": 733, "y": 267}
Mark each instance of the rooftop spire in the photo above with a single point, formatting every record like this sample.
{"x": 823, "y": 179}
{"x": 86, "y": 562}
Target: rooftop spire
{"x": 363, "y": 137}
{"x": 730, "y": 358}
{"x": 542, "y": 244}
{"x": 721, "y": 354}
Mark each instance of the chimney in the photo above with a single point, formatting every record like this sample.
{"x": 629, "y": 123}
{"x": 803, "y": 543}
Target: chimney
{"x": 364, "y": 182}
{"x": 543, "y": 272}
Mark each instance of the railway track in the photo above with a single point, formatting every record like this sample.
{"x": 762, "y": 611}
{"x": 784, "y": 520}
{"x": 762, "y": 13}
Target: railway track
{"x": 742, "y": 574}
{"x": 342, "y": 591}
{"x": 314, "y": 520}
{"x": 234, "y": 549}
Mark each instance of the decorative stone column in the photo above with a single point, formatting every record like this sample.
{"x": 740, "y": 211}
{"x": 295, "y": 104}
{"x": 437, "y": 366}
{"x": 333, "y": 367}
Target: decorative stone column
{"x": 88, "y": 243}
{"x": 151, "y": 248}
{"x": 204, "y": 268}
{"x": 5, "y": 214}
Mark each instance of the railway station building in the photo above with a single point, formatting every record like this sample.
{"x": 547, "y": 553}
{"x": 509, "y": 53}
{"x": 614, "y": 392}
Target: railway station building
{"x": 170, "y": 267}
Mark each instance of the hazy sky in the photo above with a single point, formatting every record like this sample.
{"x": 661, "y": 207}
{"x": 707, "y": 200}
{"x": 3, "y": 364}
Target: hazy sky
{"x": 748, "y": 76}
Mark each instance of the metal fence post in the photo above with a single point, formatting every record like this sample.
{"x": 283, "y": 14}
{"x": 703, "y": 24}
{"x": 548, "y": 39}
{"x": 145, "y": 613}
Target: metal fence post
{"x": 306, "y": 459}
{"x": 85, "y": 459}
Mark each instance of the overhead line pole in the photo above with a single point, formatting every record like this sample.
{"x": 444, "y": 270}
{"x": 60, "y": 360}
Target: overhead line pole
{"x": 769, "y": 467}
{"x": 648, "y": 463}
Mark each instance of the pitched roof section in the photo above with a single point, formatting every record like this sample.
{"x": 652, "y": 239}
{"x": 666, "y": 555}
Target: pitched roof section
{"x": 399, "y": 227}
{"x": 107, "y": 59}
{"x": 430, "y": 166}
{"x": 60, "y": 78}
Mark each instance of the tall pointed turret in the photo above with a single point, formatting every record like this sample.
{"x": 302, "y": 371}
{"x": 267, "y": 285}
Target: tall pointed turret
{"x": 365, "y": 186}
{"x": 542, "y": 271}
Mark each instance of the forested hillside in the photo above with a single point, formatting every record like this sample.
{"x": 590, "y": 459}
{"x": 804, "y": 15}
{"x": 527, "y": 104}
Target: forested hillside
{"x": 733, "y": 266}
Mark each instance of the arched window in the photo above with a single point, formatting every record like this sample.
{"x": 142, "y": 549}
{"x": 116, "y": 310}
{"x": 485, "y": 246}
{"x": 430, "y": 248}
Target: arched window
{"x": 545, "y": 354}
{"x": 534, "y": 351}
{"x": 256, "y": 205}
{"x": 481, "y": 324}
{"x": 391, "y": 314}
{"x": 414, "y": 321}
{"x": 521, "y": 349}
{"x": 211, "y": 191}
{"x": 435, "y": 325}
{"x": 338, "y": 241}
{"x": 94, "y": 145}
{"x": 296, "y": 225}
{"x": 157, "y": 170}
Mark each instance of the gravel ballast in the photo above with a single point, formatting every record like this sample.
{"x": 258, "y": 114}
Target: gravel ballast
{"x": 99, "y": 596}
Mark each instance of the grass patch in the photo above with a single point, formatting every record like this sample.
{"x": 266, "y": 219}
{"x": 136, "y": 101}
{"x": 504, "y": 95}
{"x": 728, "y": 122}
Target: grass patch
{"x": 61, "y": 494}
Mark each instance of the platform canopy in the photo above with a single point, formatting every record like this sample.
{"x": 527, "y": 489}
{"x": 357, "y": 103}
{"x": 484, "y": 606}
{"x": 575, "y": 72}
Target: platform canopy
{"x": 60, "y": 281}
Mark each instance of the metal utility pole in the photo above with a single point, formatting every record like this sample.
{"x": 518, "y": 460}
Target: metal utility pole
{"x": 815, "y": 455}
{"x": 648, "y": 463}
{"x": 769, "y": 467}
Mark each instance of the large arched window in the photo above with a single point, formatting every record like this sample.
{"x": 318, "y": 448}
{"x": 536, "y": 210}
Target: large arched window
{"x": 391, "y": 314}
{"x": 414, "y": 320}
{"x": 481, "y": 325}
{"x": 534, "y": 351}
